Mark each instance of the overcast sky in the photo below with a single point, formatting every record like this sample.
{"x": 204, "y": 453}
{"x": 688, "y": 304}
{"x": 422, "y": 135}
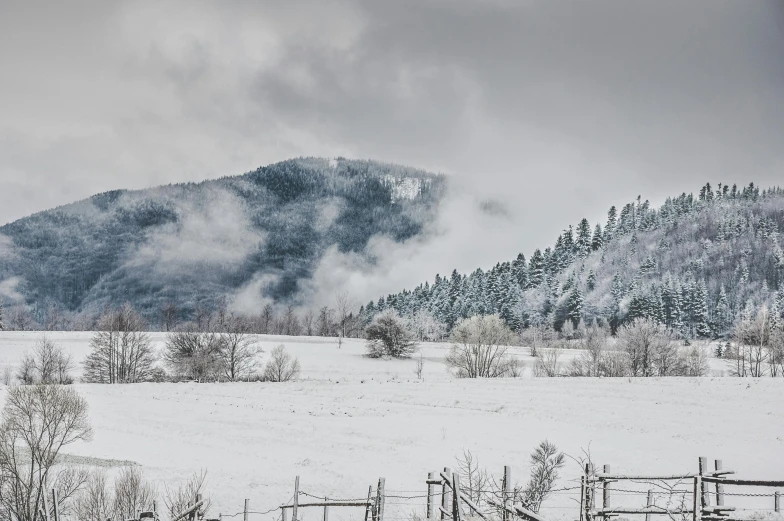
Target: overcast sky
{"x": 558, "y": 108}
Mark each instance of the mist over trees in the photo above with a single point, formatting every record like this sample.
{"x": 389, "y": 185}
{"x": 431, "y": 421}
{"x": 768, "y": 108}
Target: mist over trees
{"x": 177, "y": 251}
{"x": 695, "y": 265}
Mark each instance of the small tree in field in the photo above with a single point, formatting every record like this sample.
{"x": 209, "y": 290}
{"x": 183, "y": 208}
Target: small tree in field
{"x": 37, "y": 422}
{"x": 390, "y": 335}
{"x": 281, "y": 367}
{"x": 479, "y": 348}
{"x": 46, "y": 364}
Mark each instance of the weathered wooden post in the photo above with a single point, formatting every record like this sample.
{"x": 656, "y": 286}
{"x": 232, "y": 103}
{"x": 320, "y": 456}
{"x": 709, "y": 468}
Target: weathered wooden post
{"x": 697, "y": 506}
{"x": 455, "y": 497}
{"x": 55, "y": 510}
{"x": 705, "y": 497}
{"x": 606, "y": 490}
{"x": 380, "y": 500}
{"x": 46, "y": 507}
{"x": 431, "y": 476}
{"x": 507, "y": 490}
{"x": 326, "y": 509}
{"x": 649, "y": 504}
{"x": 582, "y": 497}
{"x": 588, "y": 489}
{"x": 296, "y": 500}
{"x": 245, "y": 510}
{"x": 445, "y": 494}
{"x": 197, "y": 509}
{"x": 777, "y": 501}
{"x": 369, "y": 510}
{"x": 719, "y": 487}
{"x": 283, "y": 514}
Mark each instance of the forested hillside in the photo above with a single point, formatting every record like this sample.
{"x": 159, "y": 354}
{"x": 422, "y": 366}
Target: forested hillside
{"x": 695, "y": 264}
{"x": 194, "y": 245}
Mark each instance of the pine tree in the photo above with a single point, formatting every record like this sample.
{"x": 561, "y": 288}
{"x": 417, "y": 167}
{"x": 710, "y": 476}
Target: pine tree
{"x": 723, "y": 315}
{"x": 609, "y": 228}
{"x": 590, "y": 282}
{"x": 700, "y": 303}
{"x": 598, "y": 241}
{"x": 536, "y": 269}
{"x": 584, "y": 244}
{"x": 575, "y": 305}
{"x": 519, "y": 271}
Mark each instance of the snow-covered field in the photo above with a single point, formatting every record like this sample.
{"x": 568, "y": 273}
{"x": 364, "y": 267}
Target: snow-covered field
{"x": 351, "y": 420}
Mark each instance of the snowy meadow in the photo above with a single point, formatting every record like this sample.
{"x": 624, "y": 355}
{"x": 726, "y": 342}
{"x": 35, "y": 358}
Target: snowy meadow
{"x": 349, "y": 420}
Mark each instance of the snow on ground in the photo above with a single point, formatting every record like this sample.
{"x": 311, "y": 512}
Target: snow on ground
{"x": 352, "y": 420}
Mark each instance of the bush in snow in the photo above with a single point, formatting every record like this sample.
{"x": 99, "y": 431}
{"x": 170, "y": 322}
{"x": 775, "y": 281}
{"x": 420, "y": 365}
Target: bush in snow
{"x": 281, "y": 367}
{"x": 479, "y": 348}
{"x": 390, "y": 335}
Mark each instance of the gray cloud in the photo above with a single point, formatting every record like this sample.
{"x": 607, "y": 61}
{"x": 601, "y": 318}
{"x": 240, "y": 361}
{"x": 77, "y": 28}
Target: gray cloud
{"x": 554, "y": 109}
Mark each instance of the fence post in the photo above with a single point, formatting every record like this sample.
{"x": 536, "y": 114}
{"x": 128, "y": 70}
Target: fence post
{"x": 326, "y": 509}
{"x": 46, "y": 506}
{"x": 705, "y": 498}
{"x": 445, "y": 494}
{"x": 719, "y": 487}
{"x": 649, "y": 504}
{"x": 296, "y": 499}
{"x": 507, "y": 489}
{"x": 369, "y": 508}
{"x": 588, "y": 489}
{"x": 606, "y": 491}
{"x": 431, "y": 476}
{"x": 380, "y": 500}
{"x": 245, "y": 510}
{"x": 196, "y": 511}
{"x": 777, "y": 501}
{"x": 697, "y": 510}
{"x": 455, "y": 497}
{"x": 582, "y": 497}
{"x": 55, "y": 511}
{"x": 283, "y": 514}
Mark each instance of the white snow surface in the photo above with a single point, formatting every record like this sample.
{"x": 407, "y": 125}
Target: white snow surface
{"x": 351, "y": 420}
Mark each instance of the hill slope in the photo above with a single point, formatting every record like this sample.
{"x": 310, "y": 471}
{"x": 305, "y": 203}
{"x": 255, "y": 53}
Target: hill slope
{"x": 694, "y": 264}
{"x": 255, "y": 236}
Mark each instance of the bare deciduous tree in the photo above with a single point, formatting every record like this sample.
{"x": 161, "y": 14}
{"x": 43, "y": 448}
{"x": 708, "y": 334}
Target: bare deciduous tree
{"x": 343, "y": 308}
{"x": 479, "y": 348}
{"x": 547, "y": 362}
{"x": 180, "y": 498}
{"x": 94, "y": 500}
{"x": 46, "y": 364}
{"x": 390, "y": 335}
{"x": 193, "y": 354}
{"x": 238, "y": 350}
{"x": 650, "y": 348}
{"x": 281, "y": 367}
{"x": 121, "y": 350}
{"x": 132, "y": 494}
{"x": 37, "y": 422}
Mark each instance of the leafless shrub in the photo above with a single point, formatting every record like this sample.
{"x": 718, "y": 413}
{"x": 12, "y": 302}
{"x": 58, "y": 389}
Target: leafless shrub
{"x": 693, "y": 361}
{"x": 547, "y": 362}
{"x": 238, "y": 350}
{"x": 121, "y": 349}
{"x": 132, "y": 494}
{"x": 390, "y": 335}
{"x": 193, "y": 354}
{"x": 650, "y": 347}
{"x": 474, "y": 480}
{"x": 46, "y": 364}
{"x": 182, "y": 497}
{"x": 94, "y": 501}
{"x": 7, "y": 375}
{"x": 419, "y": 367}
{"x": 36, "y": 423}
{"x": 281, "y": 367}
{"x": 479, "y": 348}
{"x": 536, "y": 337}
